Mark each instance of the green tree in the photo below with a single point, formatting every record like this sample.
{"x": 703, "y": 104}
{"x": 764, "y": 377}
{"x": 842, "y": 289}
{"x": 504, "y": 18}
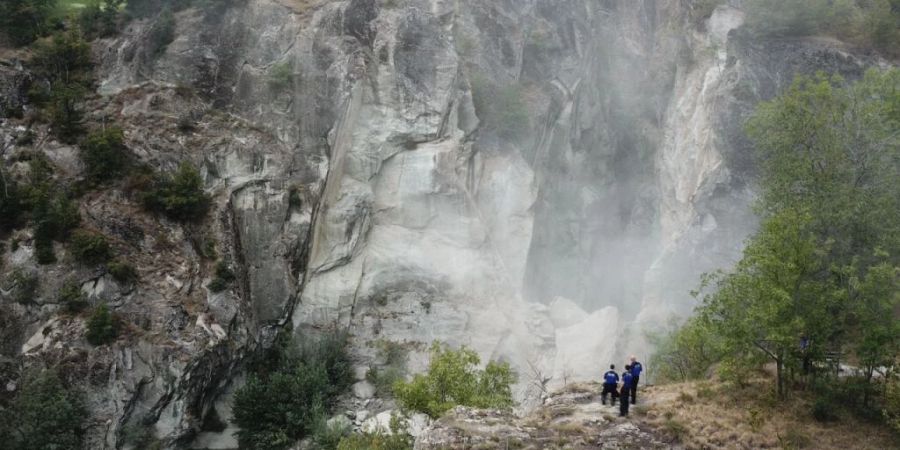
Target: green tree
{"x": 89, "y": 247}
{"x": 685, "y": 352}
{"x": 180, "y": 197}
{"x": 824, "y": 263}
{"x": 44, "y": 415}
{"x": 64, "y": 58}
{"x": 10, "y": 203}
{"x": 102, "y": 327}
{"x": 453, "y": 379}
{"x": 63, "y": 63}
{"x": 104, "y": 154}
{"x": 162, "y": 33}
{"x": 99, "y": 18}
{"x": 72, "y": 297}
{"x": 24, "y": 20}
{"x": 774, "y": 296}
{"x": 289, "y": 397}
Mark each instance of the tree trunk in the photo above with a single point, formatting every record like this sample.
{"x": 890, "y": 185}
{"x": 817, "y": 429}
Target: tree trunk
{"x": 779, "y": 376}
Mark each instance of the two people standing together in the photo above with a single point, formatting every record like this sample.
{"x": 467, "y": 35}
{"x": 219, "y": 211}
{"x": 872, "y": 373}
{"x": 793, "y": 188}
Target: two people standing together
{"x": 630, "y": 378}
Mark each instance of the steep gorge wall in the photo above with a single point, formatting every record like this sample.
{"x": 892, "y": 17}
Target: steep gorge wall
{"x": 377, "y": 188}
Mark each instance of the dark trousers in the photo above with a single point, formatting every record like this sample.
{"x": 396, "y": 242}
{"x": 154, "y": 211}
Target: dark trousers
{"x": 634, "y": 384}
{"x": 609, "y": 389}
{"x": 623, "y": 405}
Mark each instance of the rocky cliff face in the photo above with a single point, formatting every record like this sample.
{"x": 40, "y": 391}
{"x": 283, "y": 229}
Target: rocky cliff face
{"x": 539, "y": 180}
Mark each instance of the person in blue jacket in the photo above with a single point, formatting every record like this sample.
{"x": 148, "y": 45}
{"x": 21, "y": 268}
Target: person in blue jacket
{"x": 636, "y": 369}
{"x": 627, "y": 378}
{"x": 610, "y": 385}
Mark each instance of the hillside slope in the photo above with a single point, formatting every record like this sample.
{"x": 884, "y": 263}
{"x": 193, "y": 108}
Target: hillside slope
{"x": 704, "y": 415}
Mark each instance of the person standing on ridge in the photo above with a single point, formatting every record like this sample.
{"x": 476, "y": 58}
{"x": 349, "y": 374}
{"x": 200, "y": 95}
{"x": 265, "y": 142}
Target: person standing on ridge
{"x": 627, "y": 378}
{"x": 636, "y": 369}
{"x": 610, "y": 383}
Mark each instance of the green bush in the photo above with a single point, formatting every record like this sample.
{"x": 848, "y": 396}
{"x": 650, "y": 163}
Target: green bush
{"x": 43, "y": 415}
{"x": 22, "y": 285}
{"x": 67, "y": 111}
{"x": 180, "y": 197}
{"x": 823, "y": 409}
{"x": 393, "y": 357}
{"x": 104, "y": 155}
{"x": 72, "y": 297}
{"x": 223, "y": 278}
{"x": 328, "y": 437}
{"x": 22, "y": 21}
{"x": 64, "y": 63}
{"x": 452, "y": 379}
{"x": 502, "y": 109}
{"x": 281, "y": 76}
{"x": 102, "y": 327}
{"x": 162, "y": 33}
{"x": 283, "y": 404}
{"x": 52, "y": 213}
{"x": 398, "y": 439}
{"x": 891, "y": 410}
{"x": 376, "y": 441}
{"x": 89, "y": 247}
{"x": 10, "y": 204}
{"x": 122, "y": 272}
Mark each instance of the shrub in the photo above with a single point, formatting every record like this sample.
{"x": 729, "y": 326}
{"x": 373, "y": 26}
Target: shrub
{"x": 452, "y": 379}
{"x": 180, "y": 197}
{"x": 222, "y": 279}
{"x": 122, "y": 272}
{"x": 22, "y": 285}
{"x": 162, "y": 33}
{"x": 891, "y": 410}
{"x": 393, "y": 356}
{"x": 89, "y": 247}
{"x": 281, "y": 76}
{"x": 43, "y": 415}
{"x": 24, "y": 20}
{"x": 10, "y": 203}
{"x": 502, "y": 109}
{"x": 217, "y": 285}
{"x": 54, "y": 215}
{"x": 328, "y": 436}
{"x": 275, "y": 409}
{"x": 64, "y": 62}
{"x": 72, "y": 297}
{"x": 399, "y": 439}
{"x": 104, "y": 155}
{"x": 823, "y": 409}
{"x": 66, "y": 114}
{"x": 102, "y": 327}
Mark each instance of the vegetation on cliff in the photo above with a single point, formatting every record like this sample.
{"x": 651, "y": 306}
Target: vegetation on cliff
{"x": 819, "y": 283}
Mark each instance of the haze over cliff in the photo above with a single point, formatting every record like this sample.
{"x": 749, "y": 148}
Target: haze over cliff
{"x": 540, "y": 180}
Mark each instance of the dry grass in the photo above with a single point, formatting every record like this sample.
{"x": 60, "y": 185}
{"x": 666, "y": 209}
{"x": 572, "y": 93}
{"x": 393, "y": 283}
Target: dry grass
{"x": 713, "y": 416}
